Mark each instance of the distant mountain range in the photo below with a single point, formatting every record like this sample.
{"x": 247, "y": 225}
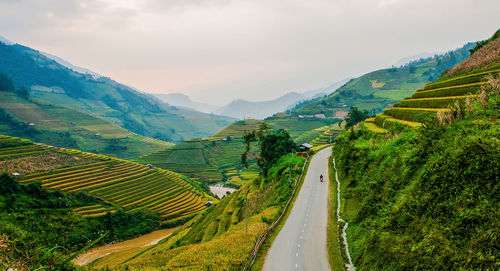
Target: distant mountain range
{"x": 56, "y": 81}
{"x": 242, "y": 109}
{"x": 181, "y": 100}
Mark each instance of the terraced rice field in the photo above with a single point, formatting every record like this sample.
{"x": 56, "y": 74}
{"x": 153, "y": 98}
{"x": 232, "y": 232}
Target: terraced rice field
{"x": 209, "y": 160}
{"x": 434, "y": 97}
{"x": 119, "y": 183}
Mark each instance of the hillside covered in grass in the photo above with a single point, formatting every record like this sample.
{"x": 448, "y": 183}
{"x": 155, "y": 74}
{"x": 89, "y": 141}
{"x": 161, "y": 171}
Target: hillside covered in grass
{"x": 420, "y": 191}
{"x": 41, "y": 121}
{"x": 120, "y": 185}
{"x": 379, "y": 89}
{"x": 47, "y": 80}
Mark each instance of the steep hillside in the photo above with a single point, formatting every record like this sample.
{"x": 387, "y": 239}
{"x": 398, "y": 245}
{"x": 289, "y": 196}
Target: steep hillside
{"x": 138, "y": 112}
{"x": 120, "y": 184}
{"x": 44, "y": 122}
{"x": 379, "y": 89}
{"x": 427, "y": 198}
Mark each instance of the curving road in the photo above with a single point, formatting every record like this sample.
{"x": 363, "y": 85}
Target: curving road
{"x": 301, "y": 243}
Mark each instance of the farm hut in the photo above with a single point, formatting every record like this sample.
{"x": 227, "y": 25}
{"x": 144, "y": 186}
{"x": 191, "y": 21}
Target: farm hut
{"x": 209, "y": 203}
{"x": 305, "y": 147}
{"x": 149, "y": 165}
{"x": 15, "y": 174}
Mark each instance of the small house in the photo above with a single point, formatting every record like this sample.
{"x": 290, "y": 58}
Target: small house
{"x": 209, "y": 203}
{"x": 31, "y": 124}
{"x": 15, "y": 174}
{"x": 149, "y": 165}
{"x": 305, "y": 147}
{"x": 319, "y": 116}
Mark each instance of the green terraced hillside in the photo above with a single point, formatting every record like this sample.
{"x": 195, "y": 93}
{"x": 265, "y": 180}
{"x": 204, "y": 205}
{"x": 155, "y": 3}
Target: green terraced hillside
{"x": 60, "y": 126}
{"x": 118, "y": 183}
{"x": 47, "y": 80}
{"x": 218, "y": 158}
{"x": 446, "y": 97}
{"x": 380, "y": 89}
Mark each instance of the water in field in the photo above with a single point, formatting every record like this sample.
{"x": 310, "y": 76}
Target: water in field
{"x": 220, "y": 190}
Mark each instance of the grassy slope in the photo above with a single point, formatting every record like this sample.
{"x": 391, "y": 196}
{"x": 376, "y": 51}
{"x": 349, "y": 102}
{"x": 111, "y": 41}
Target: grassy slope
{"x": 334, "y": 243}
{"x": 64, "y": 127}
{"x": 377, "y": 90}
{"x": 425, "y": 199}
{"x": 450, "y": 95}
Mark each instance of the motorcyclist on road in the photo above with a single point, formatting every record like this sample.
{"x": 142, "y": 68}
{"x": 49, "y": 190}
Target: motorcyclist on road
{"x": 321, "y": 177}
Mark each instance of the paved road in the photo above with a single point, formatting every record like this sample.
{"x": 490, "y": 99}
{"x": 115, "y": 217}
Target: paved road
{"x": 301, "y": 243}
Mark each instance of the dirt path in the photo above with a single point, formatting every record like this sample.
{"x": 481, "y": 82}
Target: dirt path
{"x": 141, "y": 241}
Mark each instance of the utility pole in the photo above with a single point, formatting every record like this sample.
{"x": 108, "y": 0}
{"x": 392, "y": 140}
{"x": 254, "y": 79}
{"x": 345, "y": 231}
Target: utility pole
{"x": 290, "y": 169}
{"x": 246, "y": 215}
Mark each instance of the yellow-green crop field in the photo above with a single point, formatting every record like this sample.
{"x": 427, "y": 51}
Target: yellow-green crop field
{"x": 119, "y": 183}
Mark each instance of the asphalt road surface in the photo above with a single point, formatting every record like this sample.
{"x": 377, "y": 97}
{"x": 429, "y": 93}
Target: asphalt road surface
{"x": 301, "y": 243}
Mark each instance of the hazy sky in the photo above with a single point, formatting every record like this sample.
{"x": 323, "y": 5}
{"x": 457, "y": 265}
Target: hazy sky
{"x": 219, "y": 50}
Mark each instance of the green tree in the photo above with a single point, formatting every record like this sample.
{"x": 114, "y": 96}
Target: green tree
{"x": 273, "y": 146}
{"x": 355, "y": 116}
{"x": 23, "y": 92}
{"x": 6, "y": 83}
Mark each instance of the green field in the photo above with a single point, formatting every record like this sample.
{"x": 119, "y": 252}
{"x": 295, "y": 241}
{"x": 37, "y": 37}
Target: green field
{"x": 443, "y": 97}
{"x": 65, "y": 127}
{"x": 119, "y": 183}
{"x": 218, "y": 158}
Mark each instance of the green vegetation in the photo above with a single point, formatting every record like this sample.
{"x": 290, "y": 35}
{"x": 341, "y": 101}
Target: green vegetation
{"x": 355, "y": 116}
{"x": 217, "y": 238}
{"x": 379, "y": 89}
{"x": 34, "y": 74}
{"x": 272, "y": 146}
{"x": 333, "y": 230}
{"x": 39, "y": 230}
{"x": 446, "y": 98}
{"x": 60, "y": 126}
{"x": 218, "y": 158}
{"x": 426, "y": 198}
{"x": 122, "y": 185}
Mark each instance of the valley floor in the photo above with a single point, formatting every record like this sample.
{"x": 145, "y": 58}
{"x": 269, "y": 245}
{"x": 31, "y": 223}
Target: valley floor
{"x": 141, "y": 241}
